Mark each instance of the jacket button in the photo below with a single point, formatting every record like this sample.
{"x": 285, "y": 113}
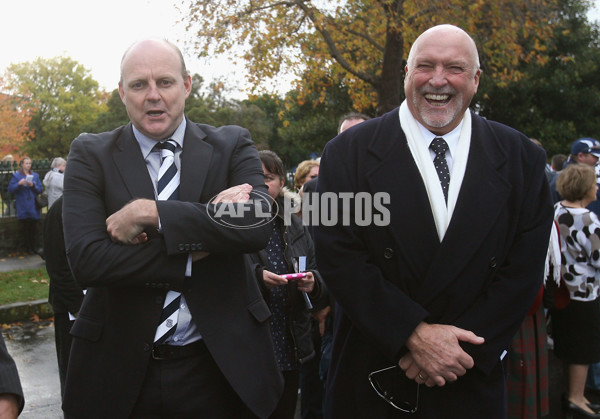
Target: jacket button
{"x": 193, "y": 247}
{"x": 187, "y": 247}
{"x": 388, "y": 253}
{"x": 146, "y": 347}
{"x": 180, "y": 247}
{"x": 493, "y": 263}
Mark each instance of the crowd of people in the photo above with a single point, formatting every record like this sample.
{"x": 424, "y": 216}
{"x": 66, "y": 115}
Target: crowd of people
{"x": 203, "y": 299}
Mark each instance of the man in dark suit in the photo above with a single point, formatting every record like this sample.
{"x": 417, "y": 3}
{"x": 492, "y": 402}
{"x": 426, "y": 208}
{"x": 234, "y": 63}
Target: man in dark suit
{"x": 133, "y": 250}
{"x": 11, "y": 393}
{"x": 65, "y": 295}
{"x": 443, "y": 276}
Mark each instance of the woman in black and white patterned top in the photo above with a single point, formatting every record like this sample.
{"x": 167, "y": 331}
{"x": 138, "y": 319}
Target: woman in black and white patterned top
{"x": 576, "y": 329}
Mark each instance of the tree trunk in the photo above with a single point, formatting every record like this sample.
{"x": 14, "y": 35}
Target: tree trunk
{"x": 389, "y": 89}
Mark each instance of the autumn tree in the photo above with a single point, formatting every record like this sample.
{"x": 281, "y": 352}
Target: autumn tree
{"x": 15, "y": 114}
{"x": 308, "y": 121}
{"x": 363, "y": 43}
{"x": 67, "y": 99}
{"x": 559, "y": 101}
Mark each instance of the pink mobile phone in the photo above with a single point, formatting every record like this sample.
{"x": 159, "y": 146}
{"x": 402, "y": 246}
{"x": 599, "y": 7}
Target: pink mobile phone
{"x": 291, "y": 277}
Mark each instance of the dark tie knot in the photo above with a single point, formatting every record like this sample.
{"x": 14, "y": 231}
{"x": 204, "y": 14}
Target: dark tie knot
{"x": 170, "y": 145}
{"x": 439, "y": 146}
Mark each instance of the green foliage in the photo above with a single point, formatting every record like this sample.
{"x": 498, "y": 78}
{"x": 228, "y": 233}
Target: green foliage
{"x": 213, "y": 108}
{"x": 309, "y": 121}
{"x": 114, "y": 115}
{"x": 67, "y": 99}
{"x": 558, "y": 101}
{"x": 25, "y": 285}
{"x": 302, "y": 124}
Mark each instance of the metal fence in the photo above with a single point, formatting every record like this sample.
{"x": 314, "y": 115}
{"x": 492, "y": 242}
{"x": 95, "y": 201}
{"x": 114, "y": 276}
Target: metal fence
{"x": 7, "y": 204}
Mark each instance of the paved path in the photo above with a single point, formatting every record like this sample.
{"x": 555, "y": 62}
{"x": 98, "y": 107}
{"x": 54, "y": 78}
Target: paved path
{"x": 32, "y": 347}
{"x": 21, "y": 263}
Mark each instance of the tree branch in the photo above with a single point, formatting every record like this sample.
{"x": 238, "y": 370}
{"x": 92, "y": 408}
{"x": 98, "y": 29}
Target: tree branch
{"x": 333, "y": 49}
{"x": 367, "y": 38}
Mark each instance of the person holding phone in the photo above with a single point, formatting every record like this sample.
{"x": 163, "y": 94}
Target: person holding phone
{"x": 290, "y": 297}
{"x": 25, "y": 184}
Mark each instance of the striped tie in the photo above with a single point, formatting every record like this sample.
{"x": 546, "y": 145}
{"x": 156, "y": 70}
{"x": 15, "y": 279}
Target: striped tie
{"x": 168, "y": 175}
{"x": 168, "y": 188}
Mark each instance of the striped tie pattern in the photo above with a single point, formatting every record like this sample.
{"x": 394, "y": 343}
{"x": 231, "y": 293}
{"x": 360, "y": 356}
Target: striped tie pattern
{"x": 440, "y": 146}
{"x": 168, "y": 188}
{"x": 168, "y": 175}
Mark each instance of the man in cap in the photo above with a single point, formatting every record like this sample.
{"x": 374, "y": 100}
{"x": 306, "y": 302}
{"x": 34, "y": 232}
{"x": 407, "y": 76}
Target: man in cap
{"x": 585, "y": 151}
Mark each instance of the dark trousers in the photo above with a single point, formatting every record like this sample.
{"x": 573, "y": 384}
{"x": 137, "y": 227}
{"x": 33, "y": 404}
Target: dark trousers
{"x": 311, "y": 386}
{"x": 286, "y": 408}
{"x": 62, "y": 337}
{"x": 190, "y": 387}
{"x": 28, "y": 228}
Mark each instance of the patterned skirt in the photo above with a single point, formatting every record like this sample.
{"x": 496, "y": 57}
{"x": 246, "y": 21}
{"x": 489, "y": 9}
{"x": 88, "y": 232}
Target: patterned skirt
{"x": 527, "y": 383}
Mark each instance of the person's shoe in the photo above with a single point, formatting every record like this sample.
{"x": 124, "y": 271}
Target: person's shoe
{"x": 574, "y": 411}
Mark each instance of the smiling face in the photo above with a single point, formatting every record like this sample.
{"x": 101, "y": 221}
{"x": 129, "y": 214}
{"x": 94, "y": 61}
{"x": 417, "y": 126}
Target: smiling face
{"x": 442, "y": 75}
{"x": 153, "y": 88}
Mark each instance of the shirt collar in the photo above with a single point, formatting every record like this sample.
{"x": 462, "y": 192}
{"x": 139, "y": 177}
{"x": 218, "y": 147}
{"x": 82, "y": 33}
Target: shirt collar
{"x": 451, "y": 138}
{"x": 147, "y": 143}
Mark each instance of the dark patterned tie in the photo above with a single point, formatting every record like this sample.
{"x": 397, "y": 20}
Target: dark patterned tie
{"x": 168, "y": 188}
{"x": 440, "y": 146}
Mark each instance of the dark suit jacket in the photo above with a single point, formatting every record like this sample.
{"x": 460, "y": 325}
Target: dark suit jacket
{"x": 483, "y": 277}
{"x": 112, "y": 338}
{"x": 9, "y": 377}
{"x": 65, "y": 294}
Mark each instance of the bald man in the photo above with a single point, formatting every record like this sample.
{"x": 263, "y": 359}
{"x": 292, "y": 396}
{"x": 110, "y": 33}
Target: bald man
{"x": 429, "y": 300}
{"x": 170, "y": 326}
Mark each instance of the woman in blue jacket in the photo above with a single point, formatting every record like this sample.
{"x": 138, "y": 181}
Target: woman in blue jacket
{"x": 25, "y": 184}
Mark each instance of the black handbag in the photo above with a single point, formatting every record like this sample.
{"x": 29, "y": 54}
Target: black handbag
{"x": 41, "y": 200}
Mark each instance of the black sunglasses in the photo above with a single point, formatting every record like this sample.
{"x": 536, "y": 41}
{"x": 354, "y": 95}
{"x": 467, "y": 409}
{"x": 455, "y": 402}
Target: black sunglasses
{"x": 393, "y": 386}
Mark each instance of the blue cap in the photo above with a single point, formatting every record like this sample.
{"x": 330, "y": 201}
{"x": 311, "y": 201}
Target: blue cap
{"x": 586, "y": 145}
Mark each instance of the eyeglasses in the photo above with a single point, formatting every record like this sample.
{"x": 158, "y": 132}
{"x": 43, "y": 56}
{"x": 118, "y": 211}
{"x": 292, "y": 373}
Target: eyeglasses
{"x": 394, "y": 387}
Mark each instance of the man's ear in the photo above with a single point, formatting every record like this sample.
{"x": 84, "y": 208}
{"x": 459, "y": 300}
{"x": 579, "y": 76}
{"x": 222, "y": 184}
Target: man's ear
{"x": 121, "y": 92}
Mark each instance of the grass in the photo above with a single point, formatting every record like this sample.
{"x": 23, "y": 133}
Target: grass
{"x": 28, "y": 285}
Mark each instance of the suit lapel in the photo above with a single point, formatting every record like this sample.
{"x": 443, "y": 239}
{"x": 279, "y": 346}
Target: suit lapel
{"x": 482, "y": 197}
{"x": 195, "y": 161}
{"x": 412, "y": 227}
{"x": 132, "y": 166}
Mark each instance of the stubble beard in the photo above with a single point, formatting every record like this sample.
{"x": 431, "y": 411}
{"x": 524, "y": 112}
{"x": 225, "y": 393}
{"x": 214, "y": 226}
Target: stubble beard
{"x": 438, "y": 118}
